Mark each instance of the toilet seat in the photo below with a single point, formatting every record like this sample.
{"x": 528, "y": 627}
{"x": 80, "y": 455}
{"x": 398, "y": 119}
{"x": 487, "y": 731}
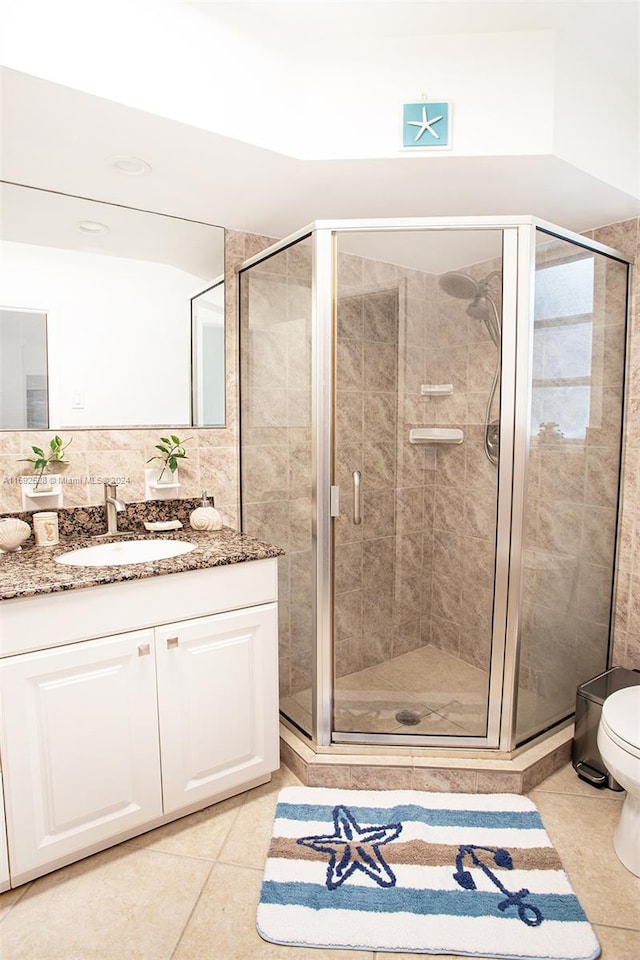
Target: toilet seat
{"x": 620, "y": 719}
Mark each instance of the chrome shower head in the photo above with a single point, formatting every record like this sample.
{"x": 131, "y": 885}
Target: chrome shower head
{"x": 479, "y": 307}
{"x": 482, "y": 306}
{"x": 458, "y": 285}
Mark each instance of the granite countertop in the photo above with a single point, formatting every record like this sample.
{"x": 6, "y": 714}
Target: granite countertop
{"x": 33, "y": 571}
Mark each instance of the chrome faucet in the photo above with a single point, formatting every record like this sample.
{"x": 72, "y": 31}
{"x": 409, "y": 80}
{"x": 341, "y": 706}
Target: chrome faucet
{"x": 112, "y": 507}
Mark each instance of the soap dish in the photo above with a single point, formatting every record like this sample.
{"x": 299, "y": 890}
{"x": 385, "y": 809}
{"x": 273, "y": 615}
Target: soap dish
{"x": 162, "y": 525}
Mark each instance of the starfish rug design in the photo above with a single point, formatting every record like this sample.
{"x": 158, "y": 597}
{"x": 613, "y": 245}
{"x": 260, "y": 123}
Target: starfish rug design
{"x": 353, "y": 847}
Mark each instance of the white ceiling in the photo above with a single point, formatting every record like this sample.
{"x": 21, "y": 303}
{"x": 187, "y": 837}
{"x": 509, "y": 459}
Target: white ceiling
{"x": 61, "y": 139}
{"x": 51, "y": 220}
{"x": 304, "y": 28}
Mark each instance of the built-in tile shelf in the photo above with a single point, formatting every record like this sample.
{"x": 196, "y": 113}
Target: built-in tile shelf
{"x": 436, "y": 389}
{"x": 435, "y": 435}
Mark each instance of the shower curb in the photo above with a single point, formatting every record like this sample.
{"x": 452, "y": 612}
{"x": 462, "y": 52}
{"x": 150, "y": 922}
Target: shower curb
{"x": 519, "y": 773}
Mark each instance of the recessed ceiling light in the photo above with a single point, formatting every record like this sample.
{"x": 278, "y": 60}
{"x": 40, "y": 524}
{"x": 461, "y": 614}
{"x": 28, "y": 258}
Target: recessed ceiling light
{"x": 92, "y": 226}
{"x": 130, "y": 166}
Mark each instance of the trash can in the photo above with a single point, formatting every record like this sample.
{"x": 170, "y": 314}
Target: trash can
{"x": 585, "y": 755}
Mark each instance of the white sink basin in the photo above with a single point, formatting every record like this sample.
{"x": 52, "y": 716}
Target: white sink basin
{"x": 125, "y": 551}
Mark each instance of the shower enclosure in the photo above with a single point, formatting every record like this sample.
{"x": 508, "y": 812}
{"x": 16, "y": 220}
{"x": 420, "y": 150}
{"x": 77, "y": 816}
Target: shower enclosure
{"x": 431, "y": 424}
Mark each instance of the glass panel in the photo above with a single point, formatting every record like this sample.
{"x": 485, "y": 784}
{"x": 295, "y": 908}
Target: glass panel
{"x": 275, "y": 444}
{"x": 572, "y": 487}
{"x": 418, "y": 347}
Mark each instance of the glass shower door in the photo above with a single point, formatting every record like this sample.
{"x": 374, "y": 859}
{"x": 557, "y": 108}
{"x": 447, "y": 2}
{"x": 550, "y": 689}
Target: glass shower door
{"x": 418, "y": 317}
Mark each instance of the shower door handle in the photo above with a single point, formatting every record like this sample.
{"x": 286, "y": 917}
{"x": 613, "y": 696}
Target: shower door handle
{"x": 357, "y": 504}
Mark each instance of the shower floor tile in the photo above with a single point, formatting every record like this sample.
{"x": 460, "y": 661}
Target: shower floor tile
{"x": 447, "y": 695}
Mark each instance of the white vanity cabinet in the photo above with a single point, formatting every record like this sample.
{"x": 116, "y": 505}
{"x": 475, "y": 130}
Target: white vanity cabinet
{"x": 4, "y": 859}
{"x": 79, "y": 746}
{"x": 215, "y": 703}
{"x": 106, "y": 737}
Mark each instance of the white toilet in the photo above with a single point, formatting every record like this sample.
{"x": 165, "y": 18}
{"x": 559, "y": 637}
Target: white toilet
{"x": 619, "y": 746}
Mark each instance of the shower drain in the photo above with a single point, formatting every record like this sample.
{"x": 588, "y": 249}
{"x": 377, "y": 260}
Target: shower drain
{"x": 408, "y": 717}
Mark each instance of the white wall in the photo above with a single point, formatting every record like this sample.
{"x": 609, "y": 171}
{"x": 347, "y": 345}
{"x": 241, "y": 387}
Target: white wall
{"x": 568, "y": 90}
{"x": 119, "y": 333}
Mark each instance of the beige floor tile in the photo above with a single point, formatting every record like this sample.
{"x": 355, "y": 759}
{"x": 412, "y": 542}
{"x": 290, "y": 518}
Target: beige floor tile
{"x": 248, "y": 840}
{"x": 123, "y": 904}
{"x": 618, "y": 944}
{"x": 198, "y": 835}
{"x": 223, "y": 925}
{"x": 581, "y": 828}
{"x": 566, "y": 780}
{"x": 9, "y": 899}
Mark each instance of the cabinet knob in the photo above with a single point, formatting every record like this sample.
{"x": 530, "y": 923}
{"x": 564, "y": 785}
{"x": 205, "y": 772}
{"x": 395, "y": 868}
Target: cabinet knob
{"x": 144, "y": 649}
{"x": 172, "y": 643}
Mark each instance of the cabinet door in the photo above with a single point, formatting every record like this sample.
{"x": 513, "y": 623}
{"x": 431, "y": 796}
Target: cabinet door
{"x": 79, "y": 746}
{"x": 218, "y": 703}
{"x": 4, "y": 862}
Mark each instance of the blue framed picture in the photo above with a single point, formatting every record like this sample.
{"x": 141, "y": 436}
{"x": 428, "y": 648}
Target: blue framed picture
{"x": 426, "y": 125}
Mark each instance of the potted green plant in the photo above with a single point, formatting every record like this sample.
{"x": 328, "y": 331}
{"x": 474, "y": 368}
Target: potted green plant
{"x": 171, "y": 450}
{"x": 43, "y": 460}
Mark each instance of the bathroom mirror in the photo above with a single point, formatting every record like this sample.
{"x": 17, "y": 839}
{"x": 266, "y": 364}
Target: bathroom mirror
{"x": 110, "y": 316}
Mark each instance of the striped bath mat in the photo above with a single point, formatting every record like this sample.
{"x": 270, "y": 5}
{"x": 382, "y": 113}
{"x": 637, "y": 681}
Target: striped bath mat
{"x": 403, "y": 870}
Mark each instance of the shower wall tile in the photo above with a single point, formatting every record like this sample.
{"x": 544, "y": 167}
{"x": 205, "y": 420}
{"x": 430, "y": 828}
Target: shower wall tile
{"x": 406, "y": 637}
{"x": 379, "y": 464}
{"x": 380, "y": 317}
{"x": 378, "y": 564}
{"x": 300, "y": 524}
{"x": 562, "y": 473}
{"x": 380, "y": 367}
{"x": 414, "y": 327}
{"x": 349, "y": 418}
{"x": 449, "y": 508}
{"x": 445, "y": 635}
{"x": 409, "y": 555}
{"x": 349, "y": 365}
{"x": 379, "y": 419}
{"x": 348, "y": 566}
{"x": 378, "y": 518}
{"x": 350, "y": 270}
{"x": 480, "y": 514}
{"x": 348, "y": 615}
{"x": 265, "y": 473}
{"x": 378, "y": 275}
{"x": 409, "y": 509}
{"x": 344, "y": 529}
{"x": 350, "y": 318}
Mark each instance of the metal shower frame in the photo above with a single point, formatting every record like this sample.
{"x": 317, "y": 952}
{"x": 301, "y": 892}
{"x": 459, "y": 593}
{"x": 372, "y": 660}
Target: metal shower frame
{"x": 518, "y": 275}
